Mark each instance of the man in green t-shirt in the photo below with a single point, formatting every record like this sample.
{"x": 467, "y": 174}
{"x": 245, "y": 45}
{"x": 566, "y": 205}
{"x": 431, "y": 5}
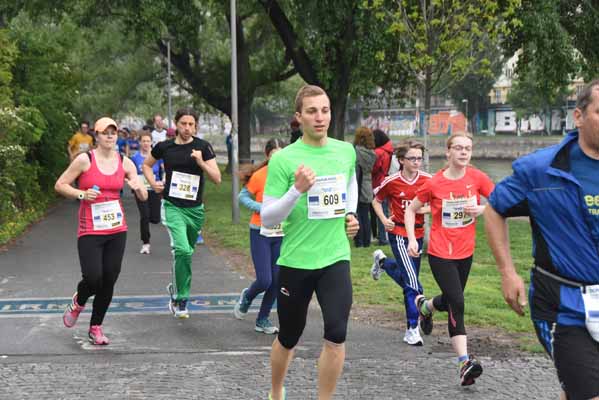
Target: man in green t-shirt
{"x": 311, "y": 188}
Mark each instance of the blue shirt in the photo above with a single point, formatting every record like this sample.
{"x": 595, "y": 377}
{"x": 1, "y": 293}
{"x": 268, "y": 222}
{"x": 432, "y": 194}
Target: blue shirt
{"x": 133, "y": 146}
{"x": 121, "y": 143}
{"x": 585, "y": 170}
{"x": 138, "y": 160}
{"x": 554, "y": 186}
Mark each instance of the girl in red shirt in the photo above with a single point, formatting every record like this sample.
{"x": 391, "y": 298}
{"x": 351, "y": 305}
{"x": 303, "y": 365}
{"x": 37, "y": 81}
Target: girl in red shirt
{"x": 454, "y": 197}
{"x": 101, "y": 174}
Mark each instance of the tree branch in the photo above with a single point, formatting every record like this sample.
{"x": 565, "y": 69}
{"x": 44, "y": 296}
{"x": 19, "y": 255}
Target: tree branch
{"x": 196, "y": 79}
{"x": 301, "y": 61}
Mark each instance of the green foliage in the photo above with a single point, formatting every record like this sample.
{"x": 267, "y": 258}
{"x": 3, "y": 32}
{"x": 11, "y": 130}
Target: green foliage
{"x": 529, "y": 96}
{"x": 45, "y": 79}
{"x": 554, "y": 46}
{"x": 441, "y": 42}
{"x": 557, "y": 41}
{"x": 277, "y": 99}
{"x": 475, "y": 86}
{"x": 7, "y": 57}
{"x": 118, "y": 75}
{"x": 36, "y": 91}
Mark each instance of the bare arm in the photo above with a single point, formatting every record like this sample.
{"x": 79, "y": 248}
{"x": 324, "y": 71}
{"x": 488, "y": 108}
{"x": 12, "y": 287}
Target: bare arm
{"x": 146, "y": 168}
{"x": 131, "y": 179}
{"x": 512, "y": 284}
{"x": 212, "y": 170}
{"x": 210, "y": 167}
{"x": 426, "y": 209}
{"x": 378, "y": 209}
{"x": 64, "y": 183}
{"x": 409, "y": 222}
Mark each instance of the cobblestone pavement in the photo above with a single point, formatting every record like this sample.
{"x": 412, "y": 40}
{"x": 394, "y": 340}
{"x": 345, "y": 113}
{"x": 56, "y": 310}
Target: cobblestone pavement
{"x": 246, "y": 376}
{"x": 209, "y": 356}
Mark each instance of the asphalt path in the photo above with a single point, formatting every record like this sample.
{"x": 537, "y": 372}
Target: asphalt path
{"x": 209, "y": 356}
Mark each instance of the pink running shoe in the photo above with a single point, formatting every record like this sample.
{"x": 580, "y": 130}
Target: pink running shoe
{"x": 96, "y": 336}
{"x": 69, "y": 318}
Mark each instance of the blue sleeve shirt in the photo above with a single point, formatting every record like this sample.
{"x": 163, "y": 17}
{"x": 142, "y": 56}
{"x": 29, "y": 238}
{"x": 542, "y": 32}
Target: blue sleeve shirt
{"x": 556, "y": 188}
{"x": 138, "y": 159}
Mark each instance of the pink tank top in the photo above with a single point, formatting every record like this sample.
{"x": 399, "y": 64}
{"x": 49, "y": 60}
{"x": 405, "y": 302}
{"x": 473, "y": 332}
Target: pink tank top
{"x": 105, "y": 214}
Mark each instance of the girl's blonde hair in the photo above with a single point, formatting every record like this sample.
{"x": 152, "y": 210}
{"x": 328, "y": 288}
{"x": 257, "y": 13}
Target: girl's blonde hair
{"x": 455, "y": 135}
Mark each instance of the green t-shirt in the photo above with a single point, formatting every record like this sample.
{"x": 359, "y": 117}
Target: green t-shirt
{"x": 313, "y": 243}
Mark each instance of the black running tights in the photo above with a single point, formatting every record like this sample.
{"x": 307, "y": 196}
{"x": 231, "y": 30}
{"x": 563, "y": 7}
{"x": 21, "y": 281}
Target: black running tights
{"x": 451, "y": 276}
{"x": 100, "y": 257}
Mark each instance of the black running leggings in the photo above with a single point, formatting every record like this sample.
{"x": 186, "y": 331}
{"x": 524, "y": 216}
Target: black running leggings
{"x": 451, "y": 276}
{"x": 100, "y": 257}
{"x": 149, "y": 212}
{"x": 333, "y": 289}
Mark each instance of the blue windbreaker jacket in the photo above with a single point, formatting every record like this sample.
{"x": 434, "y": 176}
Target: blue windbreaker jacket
{"x": 543, "y": 188}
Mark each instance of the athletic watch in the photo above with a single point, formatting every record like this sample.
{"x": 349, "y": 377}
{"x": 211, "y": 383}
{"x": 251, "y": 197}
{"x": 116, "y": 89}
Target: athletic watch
{"x": 353, "y": 214}
{"x": 81, "y": 195}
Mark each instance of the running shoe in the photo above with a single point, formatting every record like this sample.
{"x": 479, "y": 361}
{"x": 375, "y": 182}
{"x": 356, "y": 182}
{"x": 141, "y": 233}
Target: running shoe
{"x": 265, "y": 326}
{"x": 200, "y": 239}
{"x": 242, "y": 306}
{"x": 469, "y": 371}
{"x": 145, "y": 249}
{"x": 425, "y": 320}
{"x": 96, "y": 336}
{"x": 181, "y": 310}
{"x": 172, "y": 306}
{"x": 378, "y": 259}
{"x": 412, "y": 337}
{"x": 171, "y": 291}
{"x": 282, "y": 398}
{"x": 71, "y": 313}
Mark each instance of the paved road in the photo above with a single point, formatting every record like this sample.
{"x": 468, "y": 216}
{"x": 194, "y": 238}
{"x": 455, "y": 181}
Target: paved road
{"x": 209, "y": 356}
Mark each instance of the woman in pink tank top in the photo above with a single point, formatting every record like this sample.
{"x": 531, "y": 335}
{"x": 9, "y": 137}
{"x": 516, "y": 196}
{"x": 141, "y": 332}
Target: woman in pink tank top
{"x": 102, "y": 233}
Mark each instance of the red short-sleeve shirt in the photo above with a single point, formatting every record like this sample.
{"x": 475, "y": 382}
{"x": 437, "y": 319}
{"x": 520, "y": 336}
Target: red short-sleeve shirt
{"x": 453, "y": 233}
{"x": 400, "y": 193}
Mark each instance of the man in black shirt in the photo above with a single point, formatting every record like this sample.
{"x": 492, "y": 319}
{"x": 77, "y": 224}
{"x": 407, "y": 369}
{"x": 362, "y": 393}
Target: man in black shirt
{"x": 187, "y": 159}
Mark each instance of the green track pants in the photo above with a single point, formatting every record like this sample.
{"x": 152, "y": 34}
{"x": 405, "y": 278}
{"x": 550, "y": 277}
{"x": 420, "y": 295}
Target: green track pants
{"x": 183, "y": 225}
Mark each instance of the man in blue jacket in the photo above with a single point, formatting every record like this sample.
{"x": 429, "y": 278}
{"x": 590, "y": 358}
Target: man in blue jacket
{"x": 558, "y": 188}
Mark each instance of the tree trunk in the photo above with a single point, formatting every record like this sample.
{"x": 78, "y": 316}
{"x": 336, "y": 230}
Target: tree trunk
{"x": 337, "y": 127}
{"x": 427, "y": 113}
{"x": 245, "y": 137}
{"x": 246, "y": 95}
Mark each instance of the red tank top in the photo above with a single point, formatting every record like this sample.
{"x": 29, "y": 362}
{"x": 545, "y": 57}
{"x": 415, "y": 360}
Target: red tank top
{"x": 105, "y": 214}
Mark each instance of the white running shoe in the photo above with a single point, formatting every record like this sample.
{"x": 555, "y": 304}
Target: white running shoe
{"x": 145, "y": 249}
{"x": 378, "y": 258}
{"x": 412, "y": 337}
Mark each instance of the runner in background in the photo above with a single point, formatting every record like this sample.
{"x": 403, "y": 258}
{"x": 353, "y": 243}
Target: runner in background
{"x": 159, "y": 132}
{"x": 187, "y": 161}
{"x": 365, "y": 159}
{"x": 149, "y": 210}
{"x": 81, "y": 141}
{"x": 399, "y": 190}
{"x": 132, "y": 142}
{"x": 380, "y": 170}
{"x": 121, "y": 143}
{"x": 102, "y": 232}
{"x": 265, "y": 244}
{"x": 454, "y": 197}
